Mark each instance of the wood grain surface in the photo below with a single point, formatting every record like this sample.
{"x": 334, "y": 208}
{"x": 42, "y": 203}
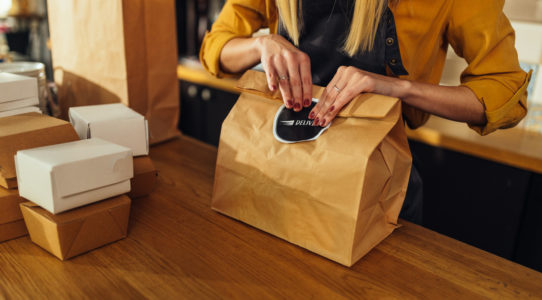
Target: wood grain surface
{"x": 177, "y": 247}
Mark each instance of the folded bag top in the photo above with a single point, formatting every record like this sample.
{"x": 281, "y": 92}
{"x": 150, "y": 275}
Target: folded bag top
{"x": 365, "y": 105}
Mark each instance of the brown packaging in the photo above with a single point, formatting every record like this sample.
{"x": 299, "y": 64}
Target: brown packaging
{"x": 144, "y": 178}
{"x": 77, "y": 231}
{"x": 338, "y": 196}
{"x": 28, "y": 131}
{"x": 108, "y": 51}
{"x": 11, "y": 220}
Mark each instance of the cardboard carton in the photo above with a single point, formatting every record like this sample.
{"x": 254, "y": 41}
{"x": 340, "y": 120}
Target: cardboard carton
{"x": 16, "y": 87}
{"x": 80, "y": 230}
{"x": 112, "y": 122}
{"x": 69, "y": 175}
{"x": 11, "y": 219}
{"x": 12, "y": 230}
{"x": 28, "y": 131}
{"x": 17, "y": 104}
{"x": 144, "y": 178}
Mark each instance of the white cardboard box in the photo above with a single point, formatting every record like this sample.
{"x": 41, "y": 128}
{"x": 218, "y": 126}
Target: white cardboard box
{"x": 21, "y": 103}
{"x": 15, "y": 87}
{"x": 70, "y": 175}
{"x": 112, "y": 122}
{"x": 19, "y": 111}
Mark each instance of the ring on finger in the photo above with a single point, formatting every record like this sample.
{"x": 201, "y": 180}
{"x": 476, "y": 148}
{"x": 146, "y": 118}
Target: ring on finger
{"x": 283, "y": 77}
{"x": 336, "y": 88}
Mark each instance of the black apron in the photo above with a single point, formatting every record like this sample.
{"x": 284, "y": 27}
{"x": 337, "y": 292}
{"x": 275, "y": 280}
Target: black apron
{"x": 324, "y": 30}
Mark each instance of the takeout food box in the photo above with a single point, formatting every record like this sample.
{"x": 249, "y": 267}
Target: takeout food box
{"x": 28, "y": 131}
{"x": 144, "y": 178}
{"x": 338, "y": 195}
{"x": 19, "y": 104}
{"x": 14, "y": 87}
{"x": 116, "y": 123}
{"x": 79, "y": 230}
{"x": 69, "y": 175}
{"x": 11, "y": 220}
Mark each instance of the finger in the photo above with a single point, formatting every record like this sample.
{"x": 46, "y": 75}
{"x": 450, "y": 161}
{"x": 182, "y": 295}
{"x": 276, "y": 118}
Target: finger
{"x": 329, "y": 103}
{"x": 306, "y": 80}
{"x": 271, "y": 75}
{"x": 284, "y": 84}
{"x": 328, "y": 96}
{"x": 343, "y": 97}
{"x": 324, "y": 96}
{"x": 316, "y": 108}
{"x": 295, "y": 80}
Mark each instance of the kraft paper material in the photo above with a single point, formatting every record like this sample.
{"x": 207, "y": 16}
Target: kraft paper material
{"x": 338, "y": 196}
{"x": 109, "y": 51}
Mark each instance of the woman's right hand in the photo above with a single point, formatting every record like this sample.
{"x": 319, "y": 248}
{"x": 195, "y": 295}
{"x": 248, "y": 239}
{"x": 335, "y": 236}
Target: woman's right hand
{"x": 288, "y": 69}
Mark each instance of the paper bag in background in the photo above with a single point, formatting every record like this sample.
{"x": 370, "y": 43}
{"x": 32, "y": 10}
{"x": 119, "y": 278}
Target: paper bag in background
{"x": 107, "y": 51}
{"x": 338, "y": 196}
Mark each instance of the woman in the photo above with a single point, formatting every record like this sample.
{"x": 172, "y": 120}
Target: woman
{"x": 394, "y": 48}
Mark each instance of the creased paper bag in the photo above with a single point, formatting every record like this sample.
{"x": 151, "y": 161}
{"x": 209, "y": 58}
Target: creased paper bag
{"x": 338, "y": 196}
{"x": 109, "y": 51}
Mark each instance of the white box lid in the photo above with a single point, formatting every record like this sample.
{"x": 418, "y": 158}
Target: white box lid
{"x": 82, "y": 166}
{"x": 116, "y": 123}
{"x": 15, "y": 87}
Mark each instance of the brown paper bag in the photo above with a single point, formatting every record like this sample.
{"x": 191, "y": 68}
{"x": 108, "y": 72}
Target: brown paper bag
{"x": 108, "y": 51}
{"x": 338, "y": 196}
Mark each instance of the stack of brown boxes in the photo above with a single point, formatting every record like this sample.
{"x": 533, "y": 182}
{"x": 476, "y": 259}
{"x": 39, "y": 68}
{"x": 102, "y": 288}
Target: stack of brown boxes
{"x": 17, "y": 133}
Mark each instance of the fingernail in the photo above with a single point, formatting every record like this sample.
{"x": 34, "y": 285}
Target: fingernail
{"x": 307, "y": 102}
{"x": 311, "y": 115}
{"x": 290, "y": 103}
{"x": 331, "y": 108}
{"x": 273, "y": 87}
{"x": 316, "y": 122}
{"x": 297, "y": 106}
{"x": 323, "y": 122}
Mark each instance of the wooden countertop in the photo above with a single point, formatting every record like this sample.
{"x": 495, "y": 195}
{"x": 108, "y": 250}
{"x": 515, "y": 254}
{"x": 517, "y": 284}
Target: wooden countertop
{"x": 177, "y": 247}
{"x": 515, "y": 147}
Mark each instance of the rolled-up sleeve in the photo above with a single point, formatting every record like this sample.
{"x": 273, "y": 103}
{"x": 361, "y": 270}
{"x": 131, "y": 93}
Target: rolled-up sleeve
{"x": 480, "y": 32}
{"x": 238, "y": 18}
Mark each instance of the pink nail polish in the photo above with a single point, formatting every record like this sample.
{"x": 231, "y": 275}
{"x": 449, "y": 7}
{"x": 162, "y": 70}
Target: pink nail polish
{"x": 297, "y": 106}
{"x": 307, "y": 102}
{"x": 331, "y": 108}
{"x": 311, "y": 115}
{"x": 316, "y": 122}
{"x": 290, "y": 103}
{"x": 323, "y": 122}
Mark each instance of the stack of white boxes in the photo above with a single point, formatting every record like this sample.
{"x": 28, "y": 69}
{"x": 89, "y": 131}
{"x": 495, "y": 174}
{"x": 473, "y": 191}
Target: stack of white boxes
{"x": 18, "y": 94}
{"x": 121, "y": 125}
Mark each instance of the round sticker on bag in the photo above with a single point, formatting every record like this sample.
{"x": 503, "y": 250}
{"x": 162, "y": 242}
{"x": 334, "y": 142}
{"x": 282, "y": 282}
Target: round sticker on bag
{"x": 293, "y": 127}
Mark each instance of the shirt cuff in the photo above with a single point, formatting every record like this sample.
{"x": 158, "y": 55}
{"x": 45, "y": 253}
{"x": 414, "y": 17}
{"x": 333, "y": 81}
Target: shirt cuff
{"x": 507, "y": 115}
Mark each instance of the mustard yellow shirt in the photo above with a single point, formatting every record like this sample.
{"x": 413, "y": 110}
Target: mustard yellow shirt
{"x": 477, "y": 30}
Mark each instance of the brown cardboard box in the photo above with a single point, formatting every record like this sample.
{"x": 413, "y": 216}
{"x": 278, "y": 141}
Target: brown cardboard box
{"x": 77, "y": 231}
{"x": 28, "y": 131}
{"x": 11, "y": 220}
{"x": 144, "y": 177}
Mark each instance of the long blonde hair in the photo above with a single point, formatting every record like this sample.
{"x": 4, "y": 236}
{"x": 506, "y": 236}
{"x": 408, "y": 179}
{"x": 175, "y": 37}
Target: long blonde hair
{"x": 365, "y": 19}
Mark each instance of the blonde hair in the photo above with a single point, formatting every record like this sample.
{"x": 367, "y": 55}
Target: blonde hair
{"x": 365, "y": 19}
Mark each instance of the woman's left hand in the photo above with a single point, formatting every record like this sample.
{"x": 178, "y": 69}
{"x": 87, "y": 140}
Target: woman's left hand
{"x": 348, "y": 83}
